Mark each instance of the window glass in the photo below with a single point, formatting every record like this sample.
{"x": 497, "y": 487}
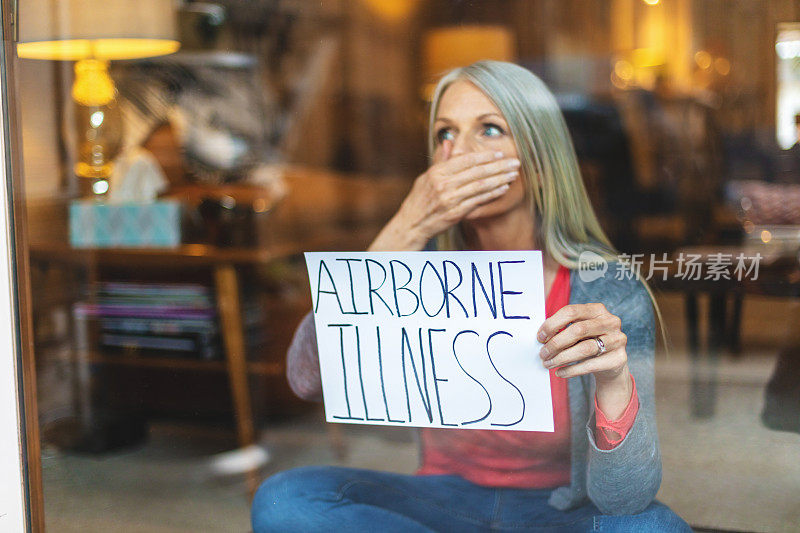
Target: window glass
{"x": 180, "y": 158}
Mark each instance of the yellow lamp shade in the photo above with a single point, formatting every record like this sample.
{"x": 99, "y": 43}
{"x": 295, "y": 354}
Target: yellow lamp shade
{"x": 72, "y": 30}
{"x": 392, "y": 10}
{"x": 647, "y": 57}
{"x": 457, "y": 46}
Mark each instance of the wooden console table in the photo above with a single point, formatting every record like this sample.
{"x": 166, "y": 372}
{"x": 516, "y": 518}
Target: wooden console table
{"x": 321, "y": 210}
{"x": 224, "y": 264}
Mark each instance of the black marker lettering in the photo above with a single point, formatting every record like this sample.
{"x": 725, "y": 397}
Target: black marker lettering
{"x": 449, "y": 291}
{"x": 441, "y": 282}
{"x": 344, "y": 372}
{"x": 423, "y": 394}
{"x": 395, "y": 288}
{"x": 319, "y": 285}
{"x": 493, "y": 302}
{"x": 470, "y": 377}
{"x": 361, "y": 380}
{"x": 504, "y": 378}
{"x": 380, "y": 371}
{"x": 352, "y": 288}
{"x": 375, "y": 290}
{"x": 504, "y": 292}
{"x": 436, "y": 379}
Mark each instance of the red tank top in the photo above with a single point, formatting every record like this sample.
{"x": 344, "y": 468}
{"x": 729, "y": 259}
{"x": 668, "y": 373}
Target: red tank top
{"x": 519, "y": 459}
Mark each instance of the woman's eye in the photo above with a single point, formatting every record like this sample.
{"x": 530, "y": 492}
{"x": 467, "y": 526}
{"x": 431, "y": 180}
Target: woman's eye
{"x": 492, "y": 130}
{"x": 444, "y": 134}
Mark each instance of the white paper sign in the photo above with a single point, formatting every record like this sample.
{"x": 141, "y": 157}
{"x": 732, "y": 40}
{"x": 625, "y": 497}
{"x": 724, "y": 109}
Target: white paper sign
{"x": 432, "y": 339}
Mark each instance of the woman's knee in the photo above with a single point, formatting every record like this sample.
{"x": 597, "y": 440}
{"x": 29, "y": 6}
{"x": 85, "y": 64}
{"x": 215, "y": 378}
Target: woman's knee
{"x": 665, "y": 519}
{"x": 285, "y": 497}
{"x": 656, "y": 518}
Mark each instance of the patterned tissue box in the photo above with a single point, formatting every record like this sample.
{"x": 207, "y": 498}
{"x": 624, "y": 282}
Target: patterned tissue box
{"x": 151, "y": 225}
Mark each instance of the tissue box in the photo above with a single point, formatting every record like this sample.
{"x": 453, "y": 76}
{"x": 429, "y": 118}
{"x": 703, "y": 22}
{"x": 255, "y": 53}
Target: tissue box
{"x": 151, "y": 225}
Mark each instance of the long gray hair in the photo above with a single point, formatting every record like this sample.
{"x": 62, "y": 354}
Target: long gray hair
{"x": 566, "y": 222}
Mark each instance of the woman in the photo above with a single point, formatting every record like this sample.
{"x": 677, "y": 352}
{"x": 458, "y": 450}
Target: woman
{"x": 505, "y": 177}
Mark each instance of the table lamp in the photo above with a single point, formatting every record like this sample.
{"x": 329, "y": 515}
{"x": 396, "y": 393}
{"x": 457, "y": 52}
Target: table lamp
{"x": 392, "y": 10}
{"x": 92, "y": 33}
{"x": 458, "y": 46}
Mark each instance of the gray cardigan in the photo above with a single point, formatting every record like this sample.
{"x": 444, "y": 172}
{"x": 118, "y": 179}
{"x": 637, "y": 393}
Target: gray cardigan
{"x": 623, "y": 480}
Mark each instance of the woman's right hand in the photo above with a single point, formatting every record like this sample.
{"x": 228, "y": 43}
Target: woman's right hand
{"x": 443, "y": 195}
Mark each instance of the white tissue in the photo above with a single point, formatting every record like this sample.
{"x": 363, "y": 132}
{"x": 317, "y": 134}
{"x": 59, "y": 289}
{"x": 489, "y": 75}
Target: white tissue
{"x": 137, "y": 178}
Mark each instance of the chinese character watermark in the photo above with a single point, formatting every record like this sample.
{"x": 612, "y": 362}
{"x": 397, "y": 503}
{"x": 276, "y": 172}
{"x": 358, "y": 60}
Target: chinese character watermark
{"x": 684, "y": 266}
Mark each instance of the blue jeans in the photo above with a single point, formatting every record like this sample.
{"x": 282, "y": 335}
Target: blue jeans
{"x": 327, "y": 498}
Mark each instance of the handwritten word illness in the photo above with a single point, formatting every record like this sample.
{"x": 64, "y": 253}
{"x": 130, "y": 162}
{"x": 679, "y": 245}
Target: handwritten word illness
{"x": 433, "y": 339}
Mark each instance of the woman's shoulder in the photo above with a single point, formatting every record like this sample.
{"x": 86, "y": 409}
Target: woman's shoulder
{"x": 625, "y": 296}
{"x": 613, "y": 284}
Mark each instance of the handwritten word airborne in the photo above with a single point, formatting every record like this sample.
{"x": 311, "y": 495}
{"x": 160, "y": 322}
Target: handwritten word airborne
{"x": 394, "y": 289}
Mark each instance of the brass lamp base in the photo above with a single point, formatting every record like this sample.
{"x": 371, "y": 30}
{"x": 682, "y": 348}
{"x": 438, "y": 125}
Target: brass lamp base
{"x": 85, "y": 170}
{"x": 94, "y": 187}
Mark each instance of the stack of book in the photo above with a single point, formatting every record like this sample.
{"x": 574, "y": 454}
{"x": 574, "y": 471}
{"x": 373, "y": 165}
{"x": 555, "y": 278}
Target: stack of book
{"x": 168, "y": 320}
